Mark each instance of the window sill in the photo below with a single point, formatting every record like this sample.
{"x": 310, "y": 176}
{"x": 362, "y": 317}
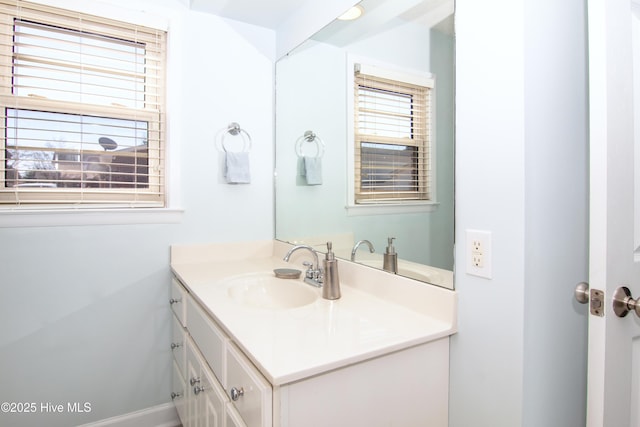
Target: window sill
{"x": 392, "y": 208}
{"x": 25, "y": 217}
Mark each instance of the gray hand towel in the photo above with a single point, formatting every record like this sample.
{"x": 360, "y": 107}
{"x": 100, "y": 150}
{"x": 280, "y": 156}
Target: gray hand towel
{"x": 237, "y": 169}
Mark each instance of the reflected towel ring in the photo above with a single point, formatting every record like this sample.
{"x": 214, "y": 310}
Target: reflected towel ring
{"x": 234, "y": 129}
{"x": 310, "y": 136}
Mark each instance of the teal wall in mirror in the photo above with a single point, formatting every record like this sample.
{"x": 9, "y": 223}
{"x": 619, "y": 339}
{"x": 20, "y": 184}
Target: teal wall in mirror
{"x": 313, "y": 87}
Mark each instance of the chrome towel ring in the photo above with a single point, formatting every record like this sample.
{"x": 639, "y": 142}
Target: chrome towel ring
{"x": 310, "y": 136}
{"x": 234, "y": 129}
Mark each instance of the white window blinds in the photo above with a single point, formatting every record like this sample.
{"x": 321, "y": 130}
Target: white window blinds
{"x": 82, "y": 105}
{"x": 392, "y": 138}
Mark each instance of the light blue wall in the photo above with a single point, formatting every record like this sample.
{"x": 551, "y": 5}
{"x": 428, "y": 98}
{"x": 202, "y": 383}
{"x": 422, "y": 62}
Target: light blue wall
{"x": 519, "y": 357}
{"x": 85, "y": 319}
{"x": 557, "y": 196}
{"x": 84, "y": 309}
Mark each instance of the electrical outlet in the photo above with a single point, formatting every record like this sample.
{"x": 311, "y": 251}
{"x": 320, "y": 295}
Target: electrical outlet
{"x": 479, "y": 253}
{"x": 477, "y": 259}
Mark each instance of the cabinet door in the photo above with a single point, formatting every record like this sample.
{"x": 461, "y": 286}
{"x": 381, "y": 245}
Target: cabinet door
{"x": 250, "y": 392}
{"x": 177, "y": 301}
{"x": 211, "y": 399}
{"x": 233, "y": 418}
{"x": 178, "y": 347}
{"x": 206, "y": 397}
{"x": 210, "y": 340}
{"x": 192, "y": 379}
{"x": 178, "y": 392}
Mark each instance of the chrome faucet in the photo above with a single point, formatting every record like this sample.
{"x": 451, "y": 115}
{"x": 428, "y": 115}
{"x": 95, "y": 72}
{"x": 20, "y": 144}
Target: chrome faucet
{"x": 313, "y": 275}
{"x": 355, "y": 248}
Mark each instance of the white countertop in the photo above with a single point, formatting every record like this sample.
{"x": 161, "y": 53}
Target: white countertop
{"x": 378, "y": 313}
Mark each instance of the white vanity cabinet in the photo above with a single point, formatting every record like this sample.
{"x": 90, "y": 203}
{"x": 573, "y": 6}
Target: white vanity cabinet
{"x": 407, "y": 387}
{"x": 377, "y": 357}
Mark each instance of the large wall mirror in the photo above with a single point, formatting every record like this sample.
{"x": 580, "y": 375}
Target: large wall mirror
{"x": 315, "y": 98}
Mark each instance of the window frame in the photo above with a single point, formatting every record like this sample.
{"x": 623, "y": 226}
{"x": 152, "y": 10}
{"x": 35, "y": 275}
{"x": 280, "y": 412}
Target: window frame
{"x": 391, "y": 72}
{"x": 123, "y": 200}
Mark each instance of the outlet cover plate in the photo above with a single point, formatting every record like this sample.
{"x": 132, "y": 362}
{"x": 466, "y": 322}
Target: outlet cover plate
{"x": 478, "y": 253}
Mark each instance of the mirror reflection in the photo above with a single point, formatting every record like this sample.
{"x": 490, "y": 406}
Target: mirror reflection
{"x": 359, "y": 161}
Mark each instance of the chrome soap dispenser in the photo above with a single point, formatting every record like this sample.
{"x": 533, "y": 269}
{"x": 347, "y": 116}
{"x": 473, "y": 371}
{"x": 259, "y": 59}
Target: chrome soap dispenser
{"x": 331, "y": 285}
{"x": 390, "y": 258}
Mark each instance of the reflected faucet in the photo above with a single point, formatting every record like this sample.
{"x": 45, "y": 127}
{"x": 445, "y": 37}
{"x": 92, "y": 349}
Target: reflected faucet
{"x": 357, "y": 245}
{"x": 313, "y": 275}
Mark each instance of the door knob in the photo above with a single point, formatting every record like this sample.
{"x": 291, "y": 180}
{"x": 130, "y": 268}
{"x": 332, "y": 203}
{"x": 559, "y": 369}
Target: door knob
{"x": 623, "y": 302}
{"x": 582, "y": 292}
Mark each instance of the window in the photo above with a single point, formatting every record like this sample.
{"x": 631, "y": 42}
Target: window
{"x": 392, "y": 121}
{"x": 82, "y": 107}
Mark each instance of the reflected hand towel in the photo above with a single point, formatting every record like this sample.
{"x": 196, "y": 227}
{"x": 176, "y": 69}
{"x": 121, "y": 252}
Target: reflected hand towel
{"x": 313, "y": 170}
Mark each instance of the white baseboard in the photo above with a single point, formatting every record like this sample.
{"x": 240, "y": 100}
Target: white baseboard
{"x": 164, "y": 415}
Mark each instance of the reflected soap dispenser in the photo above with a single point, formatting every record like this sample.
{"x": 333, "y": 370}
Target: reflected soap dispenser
{"x": 390, "y": 257}
{"x": 331, "y": 284}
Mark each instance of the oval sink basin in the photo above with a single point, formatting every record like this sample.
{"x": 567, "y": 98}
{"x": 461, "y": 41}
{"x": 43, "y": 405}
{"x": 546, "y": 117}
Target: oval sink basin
{"x": 264, "y": 290}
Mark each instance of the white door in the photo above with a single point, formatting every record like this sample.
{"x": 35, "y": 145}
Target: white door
{"x": 613, "y": 397}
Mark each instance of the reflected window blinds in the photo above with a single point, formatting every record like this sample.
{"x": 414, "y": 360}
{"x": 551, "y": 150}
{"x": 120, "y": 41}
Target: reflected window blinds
{"x": 392, "y": 137}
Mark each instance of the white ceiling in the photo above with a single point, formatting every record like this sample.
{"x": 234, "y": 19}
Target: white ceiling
{"x": 383, "y": 15}
{"x": 264, "y": 13}
{"x": 272, "y": 13}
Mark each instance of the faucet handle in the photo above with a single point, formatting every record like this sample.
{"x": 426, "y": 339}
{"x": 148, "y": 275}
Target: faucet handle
{"x": 309, "y": 272}
{"x": 314, "y": 274}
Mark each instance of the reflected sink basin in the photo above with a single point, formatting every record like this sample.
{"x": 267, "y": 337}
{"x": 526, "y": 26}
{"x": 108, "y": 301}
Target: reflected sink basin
{"x": 264, "y": 290}
{"x": 430, "y": 277}
{"x": 424, "y": 274}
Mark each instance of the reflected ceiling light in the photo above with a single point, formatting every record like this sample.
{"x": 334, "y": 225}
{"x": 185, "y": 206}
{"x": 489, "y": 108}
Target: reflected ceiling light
{"x": 354, "y": 13}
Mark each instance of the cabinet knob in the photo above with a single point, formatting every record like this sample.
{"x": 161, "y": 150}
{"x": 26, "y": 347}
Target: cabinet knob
{"x": 236, "y": 394}
{"x": 175, "y": 300}
{"x": 198, "y": 389}
{"x": 175, "y": 395}
{"x": 194, "y": 380}
{"x": 175, "y": 345}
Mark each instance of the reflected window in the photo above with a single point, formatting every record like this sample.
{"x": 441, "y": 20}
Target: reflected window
{"x": 392, "y": 139}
